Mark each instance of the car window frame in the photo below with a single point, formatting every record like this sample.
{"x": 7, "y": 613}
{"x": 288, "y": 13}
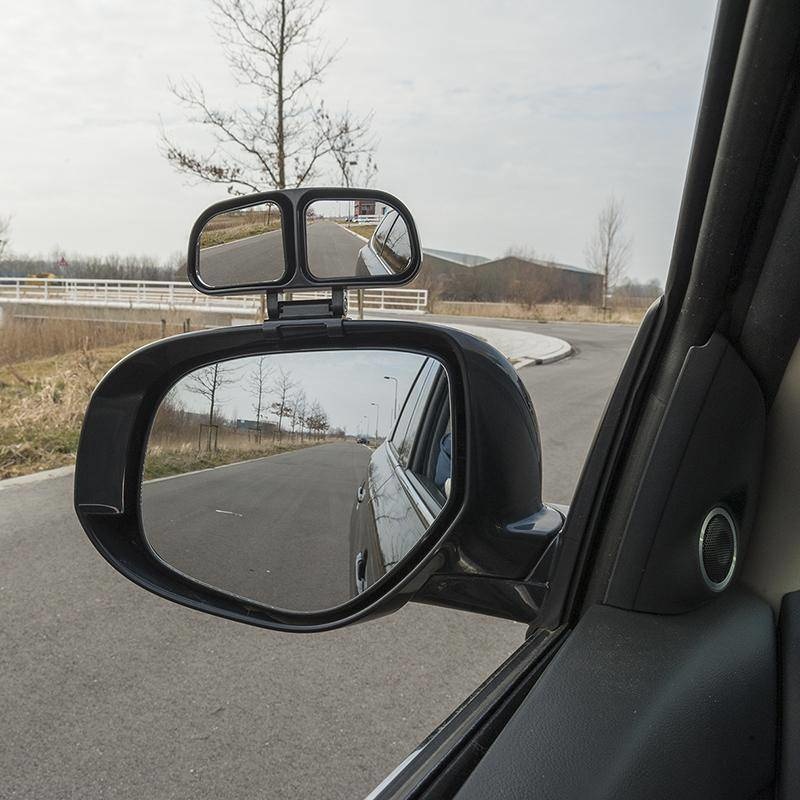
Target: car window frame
{"x": 411, "y": 402}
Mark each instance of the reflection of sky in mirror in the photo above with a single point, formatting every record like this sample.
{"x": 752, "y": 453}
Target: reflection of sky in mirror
{"x": 344, "y": 383}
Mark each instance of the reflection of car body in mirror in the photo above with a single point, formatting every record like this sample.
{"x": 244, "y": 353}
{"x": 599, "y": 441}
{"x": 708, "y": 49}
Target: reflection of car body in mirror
{"x": 405, "y": 487}
{"x": 388, "y": 251}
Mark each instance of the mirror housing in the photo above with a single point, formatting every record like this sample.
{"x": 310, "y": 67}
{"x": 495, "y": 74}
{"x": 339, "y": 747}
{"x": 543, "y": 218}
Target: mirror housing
{"x": 490, "y": 550}
{"x": 296, "y": 207}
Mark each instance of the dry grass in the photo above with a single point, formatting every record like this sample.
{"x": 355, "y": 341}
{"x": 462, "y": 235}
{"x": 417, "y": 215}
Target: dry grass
{"x": 26, "y": 339}
{"x": 546, "y": 312}
{"x": 362, "y": 230}
{"x": 234, "y": 225}
{"x": 43, "y": 403}
{"x": 161, "y": 462}
{"x": 224, "y": 235}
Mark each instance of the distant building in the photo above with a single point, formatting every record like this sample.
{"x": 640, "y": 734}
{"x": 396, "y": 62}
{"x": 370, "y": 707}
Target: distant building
{"x": 511, "y": 279}
{"x": 464, "y": 259}
{"x": 366, "y": 207}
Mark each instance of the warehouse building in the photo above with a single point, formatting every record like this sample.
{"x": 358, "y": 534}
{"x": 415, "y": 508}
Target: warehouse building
{"x": 469, "y": 278}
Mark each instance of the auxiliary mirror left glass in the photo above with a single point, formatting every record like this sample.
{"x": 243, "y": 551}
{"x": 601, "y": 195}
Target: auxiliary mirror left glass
{"x": 297, "y": 480}
{"x": 242, "y": 246}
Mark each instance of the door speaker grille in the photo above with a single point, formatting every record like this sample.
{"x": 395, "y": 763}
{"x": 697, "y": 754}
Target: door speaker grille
{"x": 718, "y": 549}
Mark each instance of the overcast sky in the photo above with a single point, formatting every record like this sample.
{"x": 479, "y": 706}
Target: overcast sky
{"x": 499, "y": 122}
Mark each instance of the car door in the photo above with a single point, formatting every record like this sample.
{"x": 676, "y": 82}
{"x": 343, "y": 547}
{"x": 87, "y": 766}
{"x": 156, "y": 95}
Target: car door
{"x": 656, "y": 669}
{"x": 404, "y": 487}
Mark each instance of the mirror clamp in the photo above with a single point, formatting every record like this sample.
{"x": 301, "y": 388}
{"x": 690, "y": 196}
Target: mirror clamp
{"x": 333, "y": 307}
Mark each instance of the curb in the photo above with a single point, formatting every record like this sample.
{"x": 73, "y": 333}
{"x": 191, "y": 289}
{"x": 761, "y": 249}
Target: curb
{"x": 35, "y": 477}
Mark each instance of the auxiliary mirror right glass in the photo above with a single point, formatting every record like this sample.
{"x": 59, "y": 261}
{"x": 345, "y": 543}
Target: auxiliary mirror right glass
{"x": 298, "y": 480}
{"x": 357, "y": 237}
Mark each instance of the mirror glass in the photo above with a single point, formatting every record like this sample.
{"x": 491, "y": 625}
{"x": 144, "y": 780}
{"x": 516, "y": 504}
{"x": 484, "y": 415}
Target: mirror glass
{"x": 297, "y": 480}
{"x": 356, "y": 238}
{"x": 242, "y": 246}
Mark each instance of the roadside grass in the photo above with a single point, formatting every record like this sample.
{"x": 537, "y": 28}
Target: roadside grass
{"x": 164, "y": 462}
{"x": 209, "y": 238}
{"x": 362, "y": 230}
{"x": 543, "y": 312}
{"x": 43, "y": 402}
{"x": 23, "y": 339}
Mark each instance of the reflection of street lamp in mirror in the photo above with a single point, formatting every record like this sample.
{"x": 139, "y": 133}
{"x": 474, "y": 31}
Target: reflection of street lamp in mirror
{"x": 377, "y": 417}
{"x": 392, "y": 378}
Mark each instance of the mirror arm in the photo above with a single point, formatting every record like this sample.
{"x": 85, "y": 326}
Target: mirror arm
{"x": 333, "y": 307}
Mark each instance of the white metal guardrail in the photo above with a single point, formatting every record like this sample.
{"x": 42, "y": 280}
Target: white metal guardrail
{"x": 180, "y": 296}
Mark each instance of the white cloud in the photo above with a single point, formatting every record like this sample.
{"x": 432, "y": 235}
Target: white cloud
{"x": 499, "y": 122}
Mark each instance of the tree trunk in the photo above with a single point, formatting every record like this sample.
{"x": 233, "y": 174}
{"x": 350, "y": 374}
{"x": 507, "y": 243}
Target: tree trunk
{"x": 279, "y": 101}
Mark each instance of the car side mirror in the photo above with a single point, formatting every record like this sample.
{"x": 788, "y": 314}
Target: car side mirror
{"x": 301, "y": 475}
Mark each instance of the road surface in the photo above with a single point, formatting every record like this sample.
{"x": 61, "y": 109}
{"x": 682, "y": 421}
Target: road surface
{"x": 249, "y": 260}
{"x": 274, "y": 529}
{"x": 332, "y": 250}
{"x": 109, "y": 692}
{"x": 332, "y": 253}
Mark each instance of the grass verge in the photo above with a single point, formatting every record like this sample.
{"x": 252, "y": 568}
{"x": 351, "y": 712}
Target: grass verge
{"x": 362, "y": 230}
{"x": 209, "y": 238}
{"x": 43, "y": 402}
{"x": 162, "y": 463}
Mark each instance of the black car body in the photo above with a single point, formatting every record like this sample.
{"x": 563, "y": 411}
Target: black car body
{"x": 388, "y": 250}
{"x": 406, "y": 482}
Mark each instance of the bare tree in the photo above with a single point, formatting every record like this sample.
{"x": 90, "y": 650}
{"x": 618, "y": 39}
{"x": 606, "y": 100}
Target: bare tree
{"x": 257, "y": 385}
{"x": 282, "y": 386}
{"x": 208, "y": 382}
{"x": 350, "y": 146}
{"x": 298, "y": 406}
{"x": 608, "y": 251}
{"x": 285, "y": 136}
{"x": 5, "y": 231}
{"x": 317, "y": 420}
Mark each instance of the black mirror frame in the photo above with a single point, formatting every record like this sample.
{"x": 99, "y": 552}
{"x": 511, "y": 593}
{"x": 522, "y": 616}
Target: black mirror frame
{"x": 485, "y": 552}
{"x": 293, "y": 204}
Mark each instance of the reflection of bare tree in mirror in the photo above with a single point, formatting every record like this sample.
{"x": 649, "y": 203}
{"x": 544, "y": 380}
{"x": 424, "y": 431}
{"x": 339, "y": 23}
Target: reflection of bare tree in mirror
{"x": 317, "y": 421}
{"x": 299, "y": 413}
{"x": 282, "y": 386}
{"x": 257, "y": 385}
{"x": 208, "y": 382}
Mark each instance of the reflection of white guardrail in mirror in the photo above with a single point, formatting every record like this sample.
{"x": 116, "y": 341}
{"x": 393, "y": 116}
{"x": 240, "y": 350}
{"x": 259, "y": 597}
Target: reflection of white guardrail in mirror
{"x": 180, "y": 296}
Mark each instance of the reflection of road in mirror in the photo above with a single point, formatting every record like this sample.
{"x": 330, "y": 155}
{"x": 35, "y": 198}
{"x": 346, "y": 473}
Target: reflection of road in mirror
{"x": 259, "y": 480}
{"x": 243, "y": 246}
{"x": 333, "y": 250}
{"x": 272, "y": 529}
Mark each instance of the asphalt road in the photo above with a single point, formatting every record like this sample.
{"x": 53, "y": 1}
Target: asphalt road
{"x": 332, "y": 253}
{"x": 249, "y": 260}
{"x": 108, "y": 692}
{"x": 274, "y": 529}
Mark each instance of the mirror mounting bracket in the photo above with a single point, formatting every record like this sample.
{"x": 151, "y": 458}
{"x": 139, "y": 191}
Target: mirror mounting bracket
{"x": 333, "y": 307}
